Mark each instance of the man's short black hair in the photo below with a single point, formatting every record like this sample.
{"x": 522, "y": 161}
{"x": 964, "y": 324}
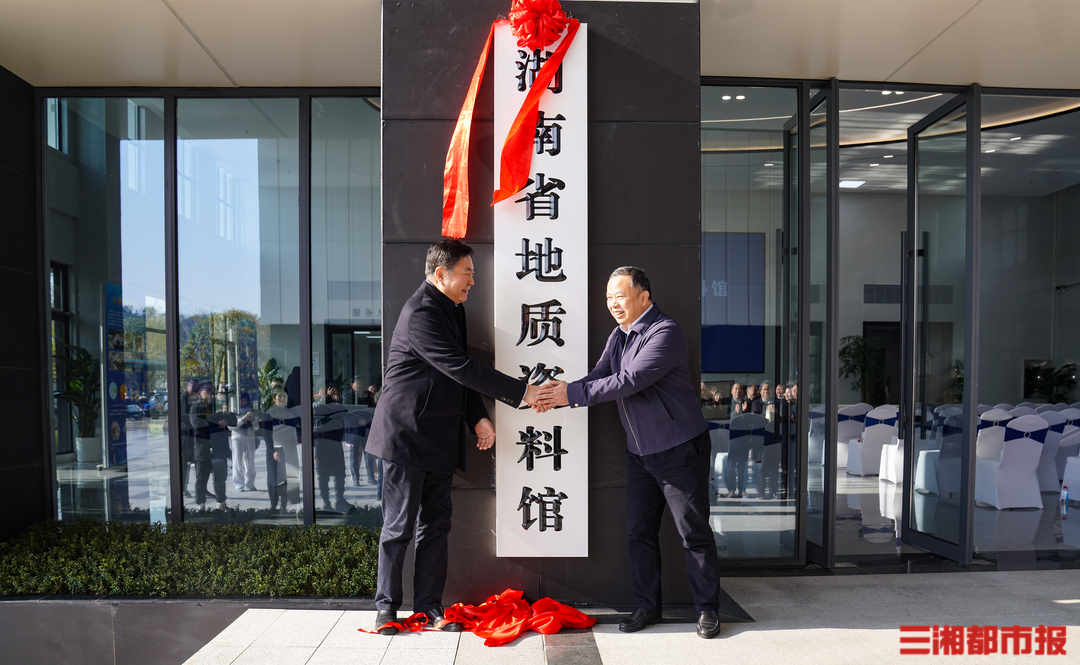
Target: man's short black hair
{"x": 445, "y": 254}
{"x": 638, "y": 279}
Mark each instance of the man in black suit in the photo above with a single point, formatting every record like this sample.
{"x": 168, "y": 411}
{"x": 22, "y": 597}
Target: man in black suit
{"x": 431, "y": 394}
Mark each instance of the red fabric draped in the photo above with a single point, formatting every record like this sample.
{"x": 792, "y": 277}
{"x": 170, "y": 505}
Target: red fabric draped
{"x": 500, "y": 619}
{"x": 503, "y": 617}
{"x": 456, "y": 172}
{"x": 536, "y": 24}
{"x": 517, "y": 151}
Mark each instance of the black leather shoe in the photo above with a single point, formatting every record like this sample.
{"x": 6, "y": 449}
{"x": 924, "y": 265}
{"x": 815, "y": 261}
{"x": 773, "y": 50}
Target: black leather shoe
{"x": 708, "y": 624}
{"x": 437, "y": 620}
{"x": 639, "y": 619}
{"x": 385, "y": 617}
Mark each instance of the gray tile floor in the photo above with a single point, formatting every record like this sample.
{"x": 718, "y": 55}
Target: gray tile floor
{"x": 818, "y": 619}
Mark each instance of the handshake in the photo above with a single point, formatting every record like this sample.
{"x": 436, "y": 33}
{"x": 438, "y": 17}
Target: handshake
{"x": 546, "y": 397}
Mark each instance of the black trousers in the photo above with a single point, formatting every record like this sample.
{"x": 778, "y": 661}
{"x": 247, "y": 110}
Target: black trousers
{"x": 414, "y": 502}
{"x": 679, "y": 478}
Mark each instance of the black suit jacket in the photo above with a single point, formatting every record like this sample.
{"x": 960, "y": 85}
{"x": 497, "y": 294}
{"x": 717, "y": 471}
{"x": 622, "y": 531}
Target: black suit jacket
{"x": 430, "y": 389}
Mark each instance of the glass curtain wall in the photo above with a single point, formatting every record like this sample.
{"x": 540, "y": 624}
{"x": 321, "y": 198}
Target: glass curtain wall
{"x": 103, "y": 208}
{"x": 346, "y": 306}
{"x": 1030, "y": 308}
{"x": 744, "y": 386}
{"x": 237, "y": 186}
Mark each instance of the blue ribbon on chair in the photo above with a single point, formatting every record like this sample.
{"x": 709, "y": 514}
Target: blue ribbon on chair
{"x": 329, "y": 434}
{"x": 860, "y": 417}
{"x": 949, "y": 430}
{"x": 736, "y": 433}
{"x": 817, "y": 414}
{"x": 713, "y": 425}
{"x": 1038, "y": 435}
{"x": 1059, "y": 428}
{"x": 870, "y": 422}
{"x": 983, "y": 424}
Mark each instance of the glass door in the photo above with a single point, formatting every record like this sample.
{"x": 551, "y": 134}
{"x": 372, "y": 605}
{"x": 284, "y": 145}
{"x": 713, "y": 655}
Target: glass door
{"x": 820, "y": 389}
{"x": 940, "y": 300}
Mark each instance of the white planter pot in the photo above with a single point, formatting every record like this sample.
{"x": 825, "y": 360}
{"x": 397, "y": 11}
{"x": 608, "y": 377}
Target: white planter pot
{"x": 88, "y": 448}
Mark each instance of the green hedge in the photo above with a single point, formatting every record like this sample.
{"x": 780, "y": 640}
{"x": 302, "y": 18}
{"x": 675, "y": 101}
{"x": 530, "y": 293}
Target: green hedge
{"x": 88, "y": 557}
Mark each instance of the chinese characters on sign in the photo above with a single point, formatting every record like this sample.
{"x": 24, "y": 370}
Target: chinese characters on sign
{"x": 982, "y": 640}
{"x": 541, "y": 320}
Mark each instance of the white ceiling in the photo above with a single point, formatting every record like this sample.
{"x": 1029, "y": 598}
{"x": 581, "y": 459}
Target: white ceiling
{"x": 1017, "y": 43}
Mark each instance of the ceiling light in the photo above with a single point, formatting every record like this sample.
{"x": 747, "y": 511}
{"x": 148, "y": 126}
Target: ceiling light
{"x": 899, "y": 93}
{"x": 886, "y": 92}
{"x": 852, "y": 184}
{"x": 875, "y": 165}
{"x": 726, "y": 97}
{"x": 1015, "y": 138}
{"x": 887, "y": 156}
{"x": 740, "y": 96}
{"x": 990, "y": 150}
{"x": 768, "y": 165}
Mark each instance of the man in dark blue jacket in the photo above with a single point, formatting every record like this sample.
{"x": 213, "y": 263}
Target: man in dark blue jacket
{"x": 646, "y": 369}
{"x": 431, "y": 394}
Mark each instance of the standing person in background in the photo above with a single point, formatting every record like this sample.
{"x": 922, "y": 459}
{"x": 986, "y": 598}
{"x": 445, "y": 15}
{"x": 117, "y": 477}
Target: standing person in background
{"x": 753, "y": 400}
{"x": 768, "y": 402}
{"x": 243, "y": 442}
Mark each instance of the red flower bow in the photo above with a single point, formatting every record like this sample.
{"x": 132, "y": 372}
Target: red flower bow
{"x": 537, "y": 23}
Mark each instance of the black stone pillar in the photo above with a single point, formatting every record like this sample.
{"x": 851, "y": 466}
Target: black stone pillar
{"x": 23, "y": 457}
{"x": 644, "y": 209}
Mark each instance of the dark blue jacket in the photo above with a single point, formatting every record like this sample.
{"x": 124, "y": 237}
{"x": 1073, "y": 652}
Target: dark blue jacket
{"x": 431, "y": 386}
{"x": 650, "y": 379}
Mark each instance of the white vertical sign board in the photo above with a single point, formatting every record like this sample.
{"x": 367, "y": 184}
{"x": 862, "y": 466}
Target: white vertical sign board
{"x": 541, "y": 318}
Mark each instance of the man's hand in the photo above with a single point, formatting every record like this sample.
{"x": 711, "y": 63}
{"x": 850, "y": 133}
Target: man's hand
{"x": 532, "y": 398}
{"x": 553, "y": 394}
{"x": 485, "y": 434}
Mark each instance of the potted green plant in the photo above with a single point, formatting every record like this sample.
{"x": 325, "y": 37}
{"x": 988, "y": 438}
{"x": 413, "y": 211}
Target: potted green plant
{"x": 80, "y": 374}
{"x": 862, "y": 359}
{"x": 1056, "y": 384}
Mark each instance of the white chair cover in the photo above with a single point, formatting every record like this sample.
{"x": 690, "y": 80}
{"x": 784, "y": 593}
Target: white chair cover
{"x": 991, "y": 433}
{"x": 1011, "y": 481}
{"x": 1071, "y": 478}
{"x": 1061, "y": 406}
{"x": 1070, "y": 439}
{"x": 864, "y": 455}
{"x": 849, "y": 426}
{"x": 982, "y": 408}
{"x": 938, "y": 471}
{"x": 1004, "y": 405}
{"x": 1046, "y": 407}
{"x": 1028, "y": 404}
{"x": 1023, "y": 411}
{"x": 816, "y": 437}
{"x": 1047, "y": 472}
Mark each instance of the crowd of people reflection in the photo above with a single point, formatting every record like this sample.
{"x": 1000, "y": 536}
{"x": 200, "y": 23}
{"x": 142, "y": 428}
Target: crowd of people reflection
{"x": 251, "y": 444}
{"x": 753, "y": 432}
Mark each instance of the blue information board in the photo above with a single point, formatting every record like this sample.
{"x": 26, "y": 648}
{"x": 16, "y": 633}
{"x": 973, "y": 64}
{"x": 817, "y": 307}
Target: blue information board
{"x": 733, "y": 302}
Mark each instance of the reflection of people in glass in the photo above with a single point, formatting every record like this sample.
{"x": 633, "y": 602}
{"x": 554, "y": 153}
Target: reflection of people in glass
{"x": 356, "y": 393}
{"x": 753, "y": 400}
{"x": 243, "y": 443}
{"x": 285, "y": 423}
{"x": 211, "y": 446}
{"x": 329, "y": 455}
{"x": 645, "y": 367}
{"x": 768, "y": 402}
{"x": 187, "y": 433}
{"x": 737, "y": 402}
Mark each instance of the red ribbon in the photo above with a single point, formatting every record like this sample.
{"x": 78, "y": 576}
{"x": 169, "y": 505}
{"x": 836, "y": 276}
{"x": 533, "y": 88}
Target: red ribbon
{"x": 502, "y": 618}
{"x": 537, "y": 24}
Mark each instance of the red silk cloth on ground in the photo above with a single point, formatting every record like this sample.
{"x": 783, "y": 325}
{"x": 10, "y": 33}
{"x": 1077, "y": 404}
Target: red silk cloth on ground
{"x": 502, "y": 618}
{"x": 537, "y": 24}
